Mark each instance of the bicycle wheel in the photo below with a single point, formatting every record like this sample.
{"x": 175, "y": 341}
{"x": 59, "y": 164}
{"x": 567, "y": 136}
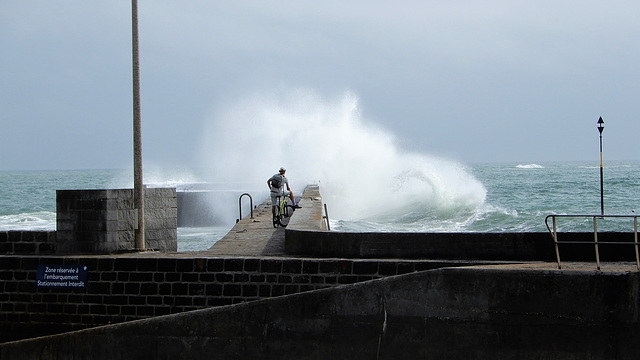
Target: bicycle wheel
{"x": 279, "y": 216}
{"x": 276, "y": 217}
{"x": 286, "y": 215}
{"x": 277, "y": 212}
{"x": 284, "y": 221}
{"x": 288, "y": 210}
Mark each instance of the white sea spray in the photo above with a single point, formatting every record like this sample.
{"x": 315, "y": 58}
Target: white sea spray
{"x": 361, "y": 170}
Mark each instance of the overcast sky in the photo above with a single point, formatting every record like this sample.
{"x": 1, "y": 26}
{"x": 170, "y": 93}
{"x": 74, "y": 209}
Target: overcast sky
{"x": 476, "y": 81}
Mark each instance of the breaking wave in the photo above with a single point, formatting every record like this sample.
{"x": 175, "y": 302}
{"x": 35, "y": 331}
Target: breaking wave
{"x": 362, "y": 172}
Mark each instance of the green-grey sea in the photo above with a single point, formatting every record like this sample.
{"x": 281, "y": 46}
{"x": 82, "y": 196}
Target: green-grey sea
{"x": 504, "y": 197}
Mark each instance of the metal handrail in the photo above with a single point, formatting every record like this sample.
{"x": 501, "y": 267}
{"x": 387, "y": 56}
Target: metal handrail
{"x": 554, "y": 235}
{"x": 240, "y": 205}
{"x": 326, "y": 218}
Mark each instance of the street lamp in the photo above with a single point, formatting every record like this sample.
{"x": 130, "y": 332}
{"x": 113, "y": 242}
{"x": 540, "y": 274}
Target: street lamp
{"x": 138, "y": 188}
{"x": 600, "y": 128}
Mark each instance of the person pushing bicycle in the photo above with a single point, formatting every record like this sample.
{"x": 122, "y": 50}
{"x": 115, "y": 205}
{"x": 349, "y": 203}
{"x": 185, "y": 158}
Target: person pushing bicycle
{"x": 276, "y": 185}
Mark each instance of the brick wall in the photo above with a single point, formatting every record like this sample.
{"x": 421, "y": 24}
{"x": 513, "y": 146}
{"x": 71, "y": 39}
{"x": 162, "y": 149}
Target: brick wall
{"x": 128, "y": 288}
{"x": 27, "y": 242}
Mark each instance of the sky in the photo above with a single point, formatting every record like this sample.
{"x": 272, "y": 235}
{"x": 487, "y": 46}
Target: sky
{"x": 475, "y": 81}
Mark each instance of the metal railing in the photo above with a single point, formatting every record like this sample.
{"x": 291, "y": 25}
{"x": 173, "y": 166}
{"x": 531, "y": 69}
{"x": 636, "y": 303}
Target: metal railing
{"x": 325, "y": 218}
{"x": 554, "y": 235}
{"x": 240, "y": 205}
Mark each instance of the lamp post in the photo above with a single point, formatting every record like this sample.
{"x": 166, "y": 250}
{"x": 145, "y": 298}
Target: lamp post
{"x": 138, "y": 188}
{"x": 600, "y": 128}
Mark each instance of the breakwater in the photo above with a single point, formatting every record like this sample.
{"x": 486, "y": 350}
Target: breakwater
{"x": 125, "y": 288}
{"x": 506, "y": 312}
{"x": 304, "y": 306}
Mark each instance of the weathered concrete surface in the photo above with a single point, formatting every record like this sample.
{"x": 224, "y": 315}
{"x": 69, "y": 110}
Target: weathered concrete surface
{"x": 528, "y": 246}
{"x": 309, "y": 217}
{"x": 258, "y": 237}
{"x": 105, "y": 221}
{"x": 453, "y": 313}
{"x": 486, "y": 246}
{"x": 252, "y": 237}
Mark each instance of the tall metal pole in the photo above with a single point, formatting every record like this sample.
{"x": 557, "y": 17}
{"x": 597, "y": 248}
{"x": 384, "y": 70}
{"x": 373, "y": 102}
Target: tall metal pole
{"x": 138, "y": 187}
{"x": 600, "y": 128}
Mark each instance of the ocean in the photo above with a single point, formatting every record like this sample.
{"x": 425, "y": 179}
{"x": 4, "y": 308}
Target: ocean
{"x": 440, "y": 196}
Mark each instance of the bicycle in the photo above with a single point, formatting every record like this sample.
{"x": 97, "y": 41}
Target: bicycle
{"x": 283, "y": 212}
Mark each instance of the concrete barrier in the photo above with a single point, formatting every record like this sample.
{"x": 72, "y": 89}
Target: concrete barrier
{"x": 131, "y": 287}
{"x": 452, "y": 313}
{"x": 530, "y": 246}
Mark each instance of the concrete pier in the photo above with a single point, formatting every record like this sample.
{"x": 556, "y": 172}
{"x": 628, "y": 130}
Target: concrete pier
{"x": 257, "y": 237}
{"x": 250, "y": 297}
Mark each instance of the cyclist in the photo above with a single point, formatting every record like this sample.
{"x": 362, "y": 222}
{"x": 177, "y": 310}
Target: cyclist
{"x": 276, "y": 184}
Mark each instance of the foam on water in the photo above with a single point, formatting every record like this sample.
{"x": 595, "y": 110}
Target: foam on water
{"x": 530, "y": 166}
{"x": 40, "y": 220}
{"x": 363, "y": 173}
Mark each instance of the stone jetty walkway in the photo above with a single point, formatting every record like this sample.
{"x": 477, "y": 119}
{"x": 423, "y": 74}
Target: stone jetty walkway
{"x": 257, "y": 237}
{"x": 252, "y": 237}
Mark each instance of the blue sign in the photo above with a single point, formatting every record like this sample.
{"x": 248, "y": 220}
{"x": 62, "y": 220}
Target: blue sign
{"x": 61, "y": 276}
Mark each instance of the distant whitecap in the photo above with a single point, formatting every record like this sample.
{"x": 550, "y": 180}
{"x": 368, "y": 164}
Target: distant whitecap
{"x": 530, "y": 166}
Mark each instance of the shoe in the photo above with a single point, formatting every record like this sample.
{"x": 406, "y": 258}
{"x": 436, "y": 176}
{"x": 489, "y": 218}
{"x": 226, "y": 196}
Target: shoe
{"x": 296, "y": 206}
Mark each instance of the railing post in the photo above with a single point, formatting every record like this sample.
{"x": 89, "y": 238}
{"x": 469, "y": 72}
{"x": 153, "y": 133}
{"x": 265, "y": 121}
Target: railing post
{"x": 326, "y": 217}
{"x": 555, "y": 241}
{"x": 635, "y": 240}
{"x": 595, "y": 240}
{"x": 596, "y": 244}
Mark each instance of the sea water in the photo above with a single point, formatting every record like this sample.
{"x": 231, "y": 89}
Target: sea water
{"x": 368, "y": 181}
{"x": 28, "y": 198}
{"x": 503, "y": 197}
{"x": 372, "y": 180}
{"x": 518, "y": 197}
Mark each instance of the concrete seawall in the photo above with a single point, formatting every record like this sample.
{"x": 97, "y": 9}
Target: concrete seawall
{"x": 529, "y": 246}
{"x": 498, "y": 312}
{"x": 126, "y": 287}
{"x": 447, "y": 302}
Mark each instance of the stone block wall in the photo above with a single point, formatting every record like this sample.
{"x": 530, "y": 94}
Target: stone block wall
{"x": 453, "y": 313}
{"x": 161, "y": 219}
{"x": 104, "y": 221}
{"x": 27, "y": 242}
{"x": 525, "y": 246}
{"x": 124, "y": 288}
